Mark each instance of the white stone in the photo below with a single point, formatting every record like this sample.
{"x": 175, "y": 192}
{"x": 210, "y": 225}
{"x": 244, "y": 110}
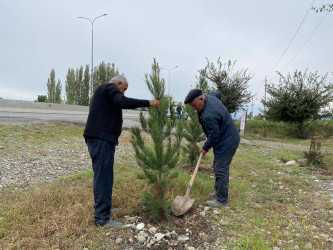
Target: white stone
{"x": 119, "y": 241}
{"x": 140, "y": 226}
{"x": 217, "y": 211}
{"x": 190, "y": 248}
{"x": 168, "y": 235}
{"x": 141, "y": 239}
{"x": 291, "y": 163}
{"x": 129, "y": 225}
{"x": 183, "y": 238}
{"x": 308, "y": 245}
{"x": 206, "y": 209}
{"x": 296, "y": 247}
{"x": 152, "y": 230}
{"x": 159, "y": 236}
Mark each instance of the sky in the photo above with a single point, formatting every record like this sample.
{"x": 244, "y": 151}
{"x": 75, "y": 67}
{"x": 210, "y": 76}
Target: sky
{"x": 38, "y": 35}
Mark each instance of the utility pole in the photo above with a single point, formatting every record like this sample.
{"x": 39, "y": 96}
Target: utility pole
{"x": 92, "y": 50}
{"x": 252, "y": 108}
{"x": 265, "y": 132}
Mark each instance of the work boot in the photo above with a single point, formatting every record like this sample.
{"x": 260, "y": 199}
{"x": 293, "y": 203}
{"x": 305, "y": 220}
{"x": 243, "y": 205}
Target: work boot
{"x": 110, "y": 223}
{"x": 216, "y": 203}
{"x": 212, "y": 194}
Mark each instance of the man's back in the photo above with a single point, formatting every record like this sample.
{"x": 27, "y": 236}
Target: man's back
{"x": 215, "y": 118}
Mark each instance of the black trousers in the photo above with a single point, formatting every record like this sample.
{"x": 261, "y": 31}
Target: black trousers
{"x": 102, "y": 156}
{"x": 221, "y": 170}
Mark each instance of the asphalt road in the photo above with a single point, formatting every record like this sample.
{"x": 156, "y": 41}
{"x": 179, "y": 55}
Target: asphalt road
{"x": 130, "y": 119}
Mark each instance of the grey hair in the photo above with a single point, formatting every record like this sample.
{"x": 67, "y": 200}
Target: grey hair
{"x": 118, "y": 78}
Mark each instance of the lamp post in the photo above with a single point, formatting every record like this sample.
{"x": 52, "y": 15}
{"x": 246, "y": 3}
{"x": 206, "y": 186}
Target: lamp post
{"x": 92, "y": 50}
{"x": 169, "y": 79}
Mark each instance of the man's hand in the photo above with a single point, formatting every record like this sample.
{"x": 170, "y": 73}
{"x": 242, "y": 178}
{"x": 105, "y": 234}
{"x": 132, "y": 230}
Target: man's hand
{"x": 154, "y": 103}
{"x": 204, "y": 152}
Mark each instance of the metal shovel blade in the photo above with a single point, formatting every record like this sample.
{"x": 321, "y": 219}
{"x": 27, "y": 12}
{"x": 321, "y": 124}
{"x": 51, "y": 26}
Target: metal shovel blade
{"x": 182, "y": 204}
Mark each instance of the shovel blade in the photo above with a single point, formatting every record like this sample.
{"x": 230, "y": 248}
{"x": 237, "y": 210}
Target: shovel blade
{"x": 182, "y": 204}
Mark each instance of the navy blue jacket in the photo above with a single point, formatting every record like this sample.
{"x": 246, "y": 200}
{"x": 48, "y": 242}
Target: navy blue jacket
{"x": 105, "y": 117}
{"x": 220, "y": 129}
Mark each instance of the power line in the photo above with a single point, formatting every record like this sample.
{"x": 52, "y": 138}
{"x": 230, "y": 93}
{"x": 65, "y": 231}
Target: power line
{"x": 299, "y": 27}
{"x": 306, "y": 41}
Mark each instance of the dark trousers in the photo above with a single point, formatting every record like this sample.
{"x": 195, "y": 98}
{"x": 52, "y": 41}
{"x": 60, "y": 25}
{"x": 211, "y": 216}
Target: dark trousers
{"x": 221, "y": 170}
{"x": 102, "y": 156}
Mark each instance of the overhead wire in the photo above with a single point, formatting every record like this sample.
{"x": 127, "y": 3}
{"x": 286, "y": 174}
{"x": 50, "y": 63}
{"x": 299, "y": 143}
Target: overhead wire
{"x": 306, "y": 41}
{"x": 299, "y": 27}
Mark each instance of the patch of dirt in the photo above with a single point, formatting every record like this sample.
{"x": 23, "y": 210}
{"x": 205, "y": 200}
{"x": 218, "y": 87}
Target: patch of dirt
{"x": 207, "y": 169}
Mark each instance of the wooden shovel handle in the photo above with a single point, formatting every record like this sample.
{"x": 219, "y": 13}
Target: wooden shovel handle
{"x": 189, "y": 187}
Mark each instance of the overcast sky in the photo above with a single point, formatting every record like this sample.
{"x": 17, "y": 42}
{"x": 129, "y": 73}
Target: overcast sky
{"x": 37, "y": 36}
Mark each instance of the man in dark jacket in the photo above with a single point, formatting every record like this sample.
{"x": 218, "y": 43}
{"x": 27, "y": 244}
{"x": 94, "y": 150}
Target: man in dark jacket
{"x": 101, "y": 133}
{"x": 222, "y": 136}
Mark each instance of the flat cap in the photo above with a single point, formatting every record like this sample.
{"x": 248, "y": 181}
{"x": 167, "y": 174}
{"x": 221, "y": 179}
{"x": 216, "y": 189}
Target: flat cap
{"x": 192, "y": 94}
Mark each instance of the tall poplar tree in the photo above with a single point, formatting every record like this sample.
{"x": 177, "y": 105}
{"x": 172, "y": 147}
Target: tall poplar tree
{"x": 57, "y": 94}
{"x": 85, "y": 87}
{"x": 78, "y": 85}
{"x": 53, "y": 89}
{"x": 70, "y": 86}
{"x": 159, "y": 160}
{"x": 104, "y": 73}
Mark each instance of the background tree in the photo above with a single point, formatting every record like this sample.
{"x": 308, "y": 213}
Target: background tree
{"x": 328, "y": 8}
{"x": 78, "y": 83}
{"x": 298, "y": 99}
{"x": 159, "y": 160}
{"x": 202, "y": 81}
{"x": 53, "y": 89}
{"x": 70, "y": 86}
{"x": 57, "y": 94}
{"x": 193, "y": 134}
{"x": 85, "y": 87}
{"x": 41, "y": 98}
{"x": 231, "y": 84}
{"x": 104, "y": 73}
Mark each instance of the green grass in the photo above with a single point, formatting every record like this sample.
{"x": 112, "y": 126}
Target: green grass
{"x": 261, "y": 213}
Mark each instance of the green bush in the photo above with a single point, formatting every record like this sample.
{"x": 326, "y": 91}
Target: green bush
{"x": 320, "y": 128}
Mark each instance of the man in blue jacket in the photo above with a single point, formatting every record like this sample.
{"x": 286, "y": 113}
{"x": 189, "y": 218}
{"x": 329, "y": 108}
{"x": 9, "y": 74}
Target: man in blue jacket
{"x": 101, "y": 133}
{"x": 222, "y": 136}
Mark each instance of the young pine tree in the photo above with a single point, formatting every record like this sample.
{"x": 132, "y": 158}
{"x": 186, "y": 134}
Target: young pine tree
{"x": 159, "y": 159}
{"x": 193, "y": 134}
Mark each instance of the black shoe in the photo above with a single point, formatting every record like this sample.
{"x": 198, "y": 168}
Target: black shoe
{"x": 216, "y": 203}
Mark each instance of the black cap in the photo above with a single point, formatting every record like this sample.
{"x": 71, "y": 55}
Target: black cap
{"x": 192, "y": 94}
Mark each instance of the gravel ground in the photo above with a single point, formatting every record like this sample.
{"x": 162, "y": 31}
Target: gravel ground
{"x": 35, "y": 164}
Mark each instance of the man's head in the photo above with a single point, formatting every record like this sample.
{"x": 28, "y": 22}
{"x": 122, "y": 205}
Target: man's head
{"x": 196, "y": 99}
{"x": 121, "y": 82}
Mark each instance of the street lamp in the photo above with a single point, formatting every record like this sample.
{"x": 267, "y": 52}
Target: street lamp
{"x": 92, "y": 50}
{"x": 169, "y": 76}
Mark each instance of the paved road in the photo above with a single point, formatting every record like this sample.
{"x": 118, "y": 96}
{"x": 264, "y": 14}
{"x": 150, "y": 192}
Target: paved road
{"x": 130, "y": 118}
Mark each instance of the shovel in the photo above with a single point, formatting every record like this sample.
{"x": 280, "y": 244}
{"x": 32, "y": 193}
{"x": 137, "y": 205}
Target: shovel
{"x": 183, "y": 203}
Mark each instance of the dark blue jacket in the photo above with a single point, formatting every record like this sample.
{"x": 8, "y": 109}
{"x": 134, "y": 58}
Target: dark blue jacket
{"x": 105, "y": 117}
{"x": 220, "y": 129}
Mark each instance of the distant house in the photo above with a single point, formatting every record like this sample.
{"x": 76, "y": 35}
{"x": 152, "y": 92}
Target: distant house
{"x": 328, "y": 108}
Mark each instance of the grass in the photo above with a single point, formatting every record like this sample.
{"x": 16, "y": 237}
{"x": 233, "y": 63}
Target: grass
{"x": 269, "y": 204}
